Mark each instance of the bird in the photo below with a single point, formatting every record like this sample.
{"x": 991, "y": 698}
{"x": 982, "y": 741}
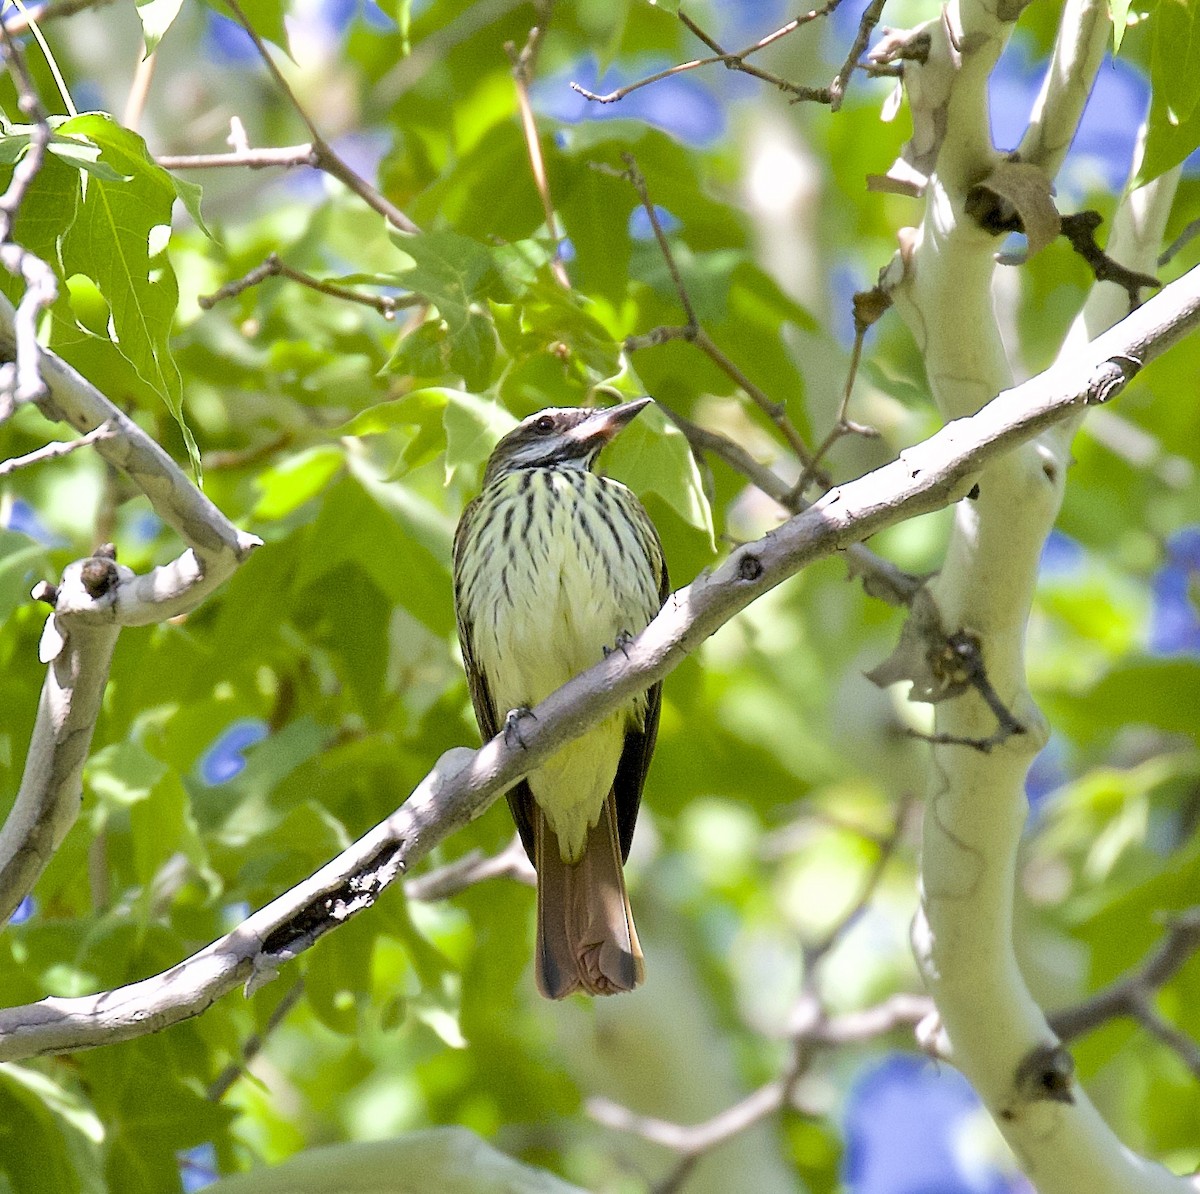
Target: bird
{"x": 554, "y": 568}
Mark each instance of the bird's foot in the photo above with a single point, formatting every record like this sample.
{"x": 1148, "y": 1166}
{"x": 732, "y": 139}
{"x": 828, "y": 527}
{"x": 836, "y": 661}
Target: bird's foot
{"x": 622, "y": 645}
{"x": 512, "y": 725}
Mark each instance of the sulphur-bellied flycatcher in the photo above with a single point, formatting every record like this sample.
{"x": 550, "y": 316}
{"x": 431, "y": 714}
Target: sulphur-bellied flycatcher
{"x": 553, "y": 567}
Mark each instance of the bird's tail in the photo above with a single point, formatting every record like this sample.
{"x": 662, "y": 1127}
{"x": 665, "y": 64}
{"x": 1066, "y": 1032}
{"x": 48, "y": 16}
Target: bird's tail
{"x": 585, "y": 933}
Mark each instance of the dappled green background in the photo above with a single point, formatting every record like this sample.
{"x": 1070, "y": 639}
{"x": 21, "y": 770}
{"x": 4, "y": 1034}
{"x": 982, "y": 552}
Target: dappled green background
{"x": 350, "y": 443}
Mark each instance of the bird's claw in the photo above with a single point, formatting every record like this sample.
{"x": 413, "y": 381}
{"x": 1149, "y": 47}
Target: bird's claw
{"x": 512, "y": 725}
{"x": 622, "y": 644}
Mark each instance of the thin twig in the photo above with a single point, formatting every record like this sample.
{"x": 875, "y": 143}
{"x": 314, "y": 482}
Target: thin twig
{"x": 18, "y": 24}
{"x": 881, "y": 578}
{"x": 638, "y": 180}
{"x": 475, "y": 867}
{"x": 869, "y": 305}
{"x": 386, "y": 305}
{"x": 1184, "y": 238}
{"x": 902, "y": 1010}
{"x": 1179, "y": 944}
{"x": 1080, "y": 230}
{"x": 143, "y": 76}
{"x": 55, "y": 450}
{"x": 221, "y": 1085}
{"x": 731, "y": 60}
{"x": 253, "y": 159}
{"x": 870, "y": 18}
{"x": 523, "y": 64}
{"x": 693, "y": 332}
{"x": 327, "y": 158}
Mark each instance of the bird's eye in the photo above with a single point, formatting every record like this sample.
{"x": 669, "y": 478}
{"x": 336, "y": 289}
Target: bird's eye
{"x": 544, "y": 425}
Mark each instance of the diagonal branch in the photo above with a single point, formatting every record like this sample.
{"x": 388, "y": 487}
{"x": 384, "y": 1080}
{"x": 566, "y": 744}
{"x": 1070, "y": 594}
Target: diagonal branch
{"x": 523, "y": 64}
{"x": 1125, "y": 996}
{"x": 327, "y": 158}
{"x": 273, "y": 267}
{"x": 736, "y": 60}
{"x": 881, "y": 578}
{"x": 1079, "y": 48}
{"x": 693, "y": 333}
{"x": 926, "y": 477}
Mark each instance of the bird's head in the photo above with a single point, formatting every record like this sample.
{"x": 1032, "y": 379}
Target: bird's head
{"x": 560, "y": 437}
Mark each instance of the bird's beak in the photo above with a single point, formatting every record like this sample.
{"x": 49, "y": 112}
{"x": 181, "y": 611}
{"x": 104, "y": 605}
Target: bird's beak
{"x": 602, "y": 426}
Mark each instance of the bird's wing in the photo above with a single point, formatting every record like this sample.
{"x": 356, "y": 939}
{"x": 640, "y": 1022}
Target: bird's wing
{"x": 491, "y": 720}
{"x": 639, "y": 743}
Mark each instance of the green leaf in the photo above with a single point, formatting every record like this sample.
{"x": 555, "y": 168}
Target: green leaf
{"x": 1118, "y": 10}
{"x": 265, "y": 17}
{"x": 652, "y": 456}
{"x": 190, "y": 194}
{"x": 22, "y": 562}
{"x": 84, "y": 156}
{"x": 355, "y": 528}
{"x": 422, "y": 353}
{"x": 50, "y": 208}
{"x": 15, "y": 140}
{"x": 337, "y": 979}
{"x": 451, "y": 271}
{"x": 123, "y": 773}
{"x": 1156, "y": 692}
{"x": 163, "y": 826}
{"x": 294, "y": 480}
{"x": 156, "y": 17}
{"x": 49, "y": 1139}
{"x": 458, "y": 276}
{"x": 414, "y": 409}
{"x": 473, "y": 350}
{"x": 1174, "y": 123}
{"x": 473, "y": 427}
{"x": 118, "y": 239}
{"x": 448, "y": 1160}
{"x": 1175, "y": 57}
{"x": 151, "y": 1110}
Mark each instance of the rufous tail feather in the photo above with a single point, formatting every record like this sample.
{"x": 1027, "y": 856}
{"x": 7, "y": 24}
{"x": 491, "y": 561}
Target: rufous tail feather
{"x": 585, "y": 933}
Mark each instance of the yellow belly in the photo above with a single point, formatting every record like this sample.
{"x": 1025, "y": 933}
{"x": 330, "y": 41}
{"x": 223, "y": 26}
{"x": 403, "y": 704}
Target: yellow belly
{"x": 554, "y": 588}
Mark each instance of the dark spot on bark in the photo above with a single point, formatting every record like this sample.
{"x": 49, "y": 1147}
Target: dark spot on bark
{"x": 98, "y": 576}
{"x": 749, "y": 567}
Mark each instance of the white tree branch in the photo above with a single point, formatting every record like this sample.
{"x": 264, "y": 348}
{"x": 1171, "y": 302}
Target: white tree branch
{"x": 1083, "y": 35}
{"x": 95, "y": 599}
{"x": 925, "y": 477}
{"x": 976, "y": 806}
{"x": 49, "y": 797}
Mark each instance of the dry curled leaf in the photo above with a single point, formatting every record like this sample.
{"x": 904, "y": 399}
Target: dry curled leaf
{"x": 1016, "y": 197}
{"x": 921, "y": 656}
